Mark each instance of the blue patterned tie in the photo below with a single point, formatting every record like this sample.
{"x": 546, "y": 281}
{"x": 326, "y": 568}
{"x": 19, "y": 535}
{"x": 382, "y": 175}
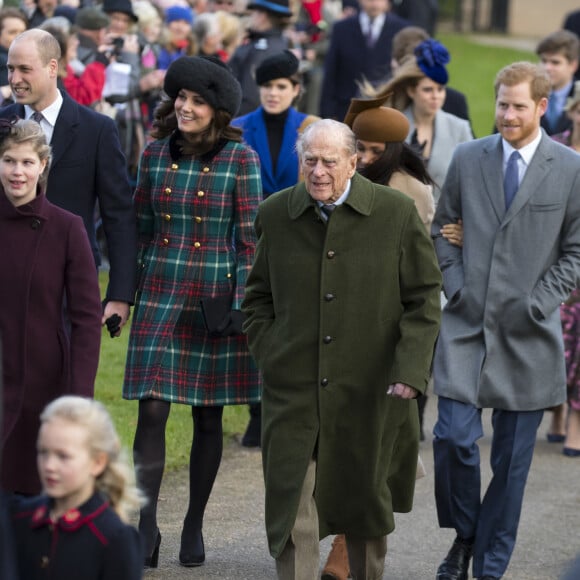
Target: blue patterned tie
{"x": 552, "y": 112}
{"x": 37, "y": 116}
{"x": 327, "y": 209}
{"x": 511, "y": 180}
{"x": 369, "y": 35}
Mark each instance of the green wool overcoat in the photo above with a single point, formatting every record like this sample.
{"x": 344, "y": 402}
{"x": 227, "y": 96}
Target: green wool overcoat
{"x": 336, "y": 313}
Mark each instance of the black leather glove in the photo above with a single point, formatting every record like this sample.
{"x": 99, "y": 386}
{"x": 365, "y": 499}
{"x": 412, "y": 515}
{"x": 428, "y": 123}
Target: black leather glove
{"x": 234, "y": 325}
{"x": 113, "y": 324}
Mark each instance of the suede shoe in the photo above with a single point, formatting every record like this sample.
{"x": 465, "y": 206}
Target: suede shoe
{"x": 456, "y": 563}
{"x": 337, "y": 566}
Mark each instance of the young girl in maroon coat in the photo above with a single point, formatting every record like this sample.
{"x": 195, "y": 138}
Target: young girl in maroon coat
{"x": 45, "y": 262}
{"x": 79, "y": 528}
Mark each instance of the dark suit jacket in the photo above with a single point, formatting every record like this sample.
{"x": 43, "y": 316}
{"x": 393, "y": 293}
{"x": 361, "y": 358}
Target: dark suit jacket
{"x": 88, "y": 167}
{"x": 563, "y": 123}
{"x": 572, "y": 23}
{"x": 350, "y": 59}
{"x": 456, "y": 104}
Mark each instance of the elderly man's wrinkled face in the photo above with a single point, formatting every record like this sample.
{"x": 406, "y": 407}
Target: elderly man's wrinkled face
{"x": 327, "y": 167}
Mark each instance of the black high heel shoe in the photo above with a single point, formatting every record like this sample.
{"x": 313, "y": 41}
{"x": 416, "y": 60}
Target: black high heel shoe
{"x": 192, "y": 551}
{"x": 153, "y": 560}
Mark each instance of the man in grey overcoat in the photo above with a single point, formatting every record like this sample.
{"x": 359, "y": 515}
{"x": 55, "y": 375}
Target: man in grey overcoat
{"x": 343, "y": 312}
{"x": 500, "y": 346}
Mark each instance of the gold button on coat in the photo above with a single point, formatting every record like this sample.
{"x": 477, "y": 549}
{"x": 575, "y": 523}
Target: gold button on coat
{"x": 165, "y": 241}
{"x": 197, "y": 219}
{"x": 197, "y": 245}
{"x": 167, "y": 217}
{"x": 174, "y": 166}
{"x": 168, "y": 190}
{"x": 200, "y": 193}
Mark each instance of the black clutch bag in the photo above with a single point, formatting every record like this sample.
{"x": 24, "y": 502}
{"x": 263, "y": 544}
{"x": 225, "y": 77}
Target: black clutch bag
{"x": 216, "y": 314}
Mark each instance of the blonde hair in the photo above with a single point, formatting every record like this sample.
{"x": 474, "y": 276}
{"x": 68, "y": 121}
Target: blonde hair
{"x": 19, "y": 132}
{"x": 232, "y": 30}
{"x": 117, "y": 481}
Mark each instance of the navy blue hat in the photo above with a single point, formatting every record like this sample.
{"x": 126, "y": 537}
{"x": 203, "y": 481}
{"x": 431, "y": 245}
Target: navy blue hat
{"x": 281, "y": 65}
{"x": 280, "y": 7}
{"x": 123, "y": 6}
{"x": 174, "y": 13}
{"x": 432, "y": 57}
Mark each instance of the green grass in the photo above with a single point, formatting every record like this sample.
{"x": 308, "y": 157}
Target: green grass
{"x": 472, "y": 70}
{"x": 179, "y": 427}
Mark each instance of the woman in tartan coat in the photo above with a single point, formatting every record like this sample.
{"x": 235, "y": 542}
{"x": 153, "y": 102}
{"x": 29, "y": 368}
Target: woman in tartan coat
{"x": 197, "y": 195}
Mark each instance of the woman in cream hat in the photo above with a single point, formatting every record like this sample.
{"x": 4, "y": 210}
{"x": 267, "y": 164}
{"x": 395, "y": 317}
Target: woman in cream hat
{"x": 418, "y": 91}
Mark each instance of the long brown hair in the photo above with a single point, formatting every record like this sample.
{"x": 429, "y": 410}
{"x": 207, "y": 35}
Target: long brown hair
{"x": 165, "y": 123}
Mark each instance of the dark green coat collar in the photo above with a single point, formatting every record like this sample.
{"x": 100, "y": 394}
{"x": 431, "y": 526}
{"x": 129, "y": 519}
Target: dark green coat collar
{"x": 361, "y": 197}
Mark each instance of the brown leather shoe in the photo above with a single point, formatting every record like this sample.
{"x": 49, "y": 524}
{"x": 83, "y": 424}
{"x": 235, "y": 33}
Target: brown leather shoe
{"x": 337, "y": 567}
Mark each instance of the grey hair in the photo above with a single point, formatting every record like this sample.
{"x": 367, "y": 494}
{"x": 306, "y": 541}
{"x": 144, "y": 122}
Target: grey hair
{"x": 334, "y": 131}
{"x": 205, "y": 24}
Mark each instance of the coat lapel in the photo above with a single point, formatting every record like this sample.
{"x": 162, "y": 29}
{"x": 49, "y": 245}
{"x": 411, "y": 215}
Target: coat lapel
{"x": 65, "y": 129}
{"x": 287, "y": 156}
{"x": 492, "y": 178}
{"x": 535, "y": 174}
{"x": 260, "y": 140}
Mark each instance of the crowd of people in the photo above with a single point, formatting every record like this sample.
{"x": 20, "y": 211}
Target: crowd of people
{"x": 255, "y": 180}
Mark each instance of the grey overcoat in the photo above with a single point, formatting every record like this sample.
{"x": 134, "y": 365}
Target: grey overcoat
{"x": 337, "y": 312}
{"x": 500, "y": 344}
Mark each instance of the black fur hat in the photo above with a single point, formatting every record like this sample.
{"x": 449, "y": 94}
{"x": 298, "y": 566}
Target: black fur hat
{"x": 207, "y": 76}
{"x": 281, "y": 65}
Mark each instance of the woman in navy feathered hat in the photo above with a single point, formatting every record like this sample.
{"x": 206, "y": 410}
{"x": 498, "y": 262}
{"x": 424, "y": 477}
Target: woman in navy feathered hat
{"x": 418, "y": 90}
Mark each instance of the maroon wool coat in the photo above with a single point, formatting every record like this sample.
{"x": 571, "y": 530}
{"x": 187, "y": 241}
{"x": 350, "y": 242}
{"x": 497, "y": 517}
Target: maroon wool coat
{"x": 45, "y": 256}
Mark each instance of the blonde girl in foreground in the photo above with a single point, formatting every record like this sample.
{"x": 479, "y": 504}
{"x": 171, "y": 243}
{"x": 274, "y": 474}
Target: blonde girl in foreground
{"x": 78, "y": 528}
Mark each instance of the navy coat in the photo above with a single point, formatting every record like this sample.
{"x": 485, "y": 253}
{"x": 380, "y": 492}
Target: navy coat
{"x": 45, "y": 257}
{"x": 90, "y": 542}
{"x": 349, "y": 60}
{"x": 256, "y": 136}
{"x": 87, "y": 167}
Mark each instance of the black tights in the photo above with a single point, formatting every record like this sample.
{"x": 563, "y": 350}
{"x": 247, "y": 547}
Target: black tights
{"x": 149, "y": 458}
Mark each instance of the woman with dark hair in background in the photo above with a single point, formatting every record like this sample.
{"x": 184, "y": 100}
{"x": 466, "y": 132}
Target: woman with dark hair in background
{"x": 384, "y": 157}
{"x": 418, "y": 90}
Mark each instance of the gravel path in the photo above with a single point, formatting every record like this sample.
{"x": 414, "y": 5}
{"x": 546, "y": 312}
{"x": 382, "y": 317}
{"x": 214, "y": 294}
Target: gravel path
{"x": 236, "y": 543}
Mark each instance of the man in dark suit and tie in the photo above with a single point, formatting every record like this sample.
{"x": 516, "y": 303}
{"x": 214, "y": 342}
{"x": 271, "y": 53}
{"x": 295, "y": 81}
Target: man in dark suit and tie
{"x": 360, "y": 48}
{"x": 87, "y": 166}
{"x": 500, "y": 345}
{"x": 559, "y": 53}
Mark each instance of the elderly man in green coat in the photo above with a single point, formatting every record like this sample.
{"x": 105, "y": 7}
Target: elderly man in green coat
{"x": 343, "y": 312}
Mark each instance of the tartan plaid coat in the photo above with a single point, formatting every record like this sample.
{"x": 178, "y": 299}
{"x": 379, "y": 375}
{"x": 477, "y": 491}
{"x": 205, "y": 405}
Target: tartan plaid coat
{"x": 196, "y": 240}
